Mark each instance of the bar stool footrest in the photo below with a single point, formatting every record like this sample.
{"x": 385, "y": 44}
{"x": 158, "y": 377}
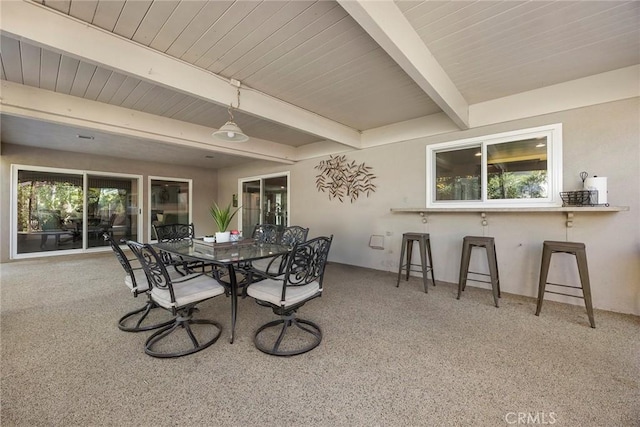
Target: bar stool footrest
{"x": 562, "y": 293}
{"x": 416, "y": 268}
{"x": 564, "y": 286}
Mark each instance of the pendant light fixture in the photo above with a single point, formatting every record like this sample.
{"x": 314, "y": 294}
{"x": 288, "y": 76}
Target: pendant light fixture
{"x": 230, "y": 131}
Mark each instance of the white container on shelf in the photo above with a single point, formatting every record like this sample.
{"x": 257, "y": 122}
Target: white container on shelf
{"x": 599, "y": 184}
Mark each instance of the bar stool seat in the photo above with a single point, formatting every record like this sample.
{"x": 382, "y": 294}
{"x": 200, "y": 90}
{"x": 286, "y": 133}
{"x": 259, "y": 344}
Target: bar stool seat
{"x": 488, "y": 243}
{"x": 426, "y": 259}
{"x": 579, "y": 251}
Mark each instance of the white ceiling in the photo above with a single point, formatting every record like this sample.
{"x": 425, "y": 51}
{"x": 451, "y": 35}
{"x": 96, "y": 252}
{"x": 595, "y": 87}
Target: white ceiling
{"x": 313, "y": 73}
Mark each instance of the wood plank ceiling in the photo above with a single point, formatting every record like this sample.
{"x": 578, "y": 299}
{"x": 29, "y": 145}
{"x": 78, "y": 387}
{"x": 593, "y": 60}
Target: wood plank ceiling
{"x": 318, "y": 60}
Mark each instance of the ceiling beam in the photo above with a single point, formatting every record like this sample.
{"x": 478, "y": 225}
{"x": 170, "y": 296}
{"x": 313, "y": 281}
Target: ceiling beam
{"x": 39, "y": 104}
{"x": 422, "y": 127}
{"x": 42, "y": 26}
{"x": 386, "y": 24}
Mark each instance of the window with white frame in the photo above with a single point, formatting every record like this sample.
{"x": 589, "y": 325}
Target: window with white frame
{"x": 520, "y": 168}
{"x": 64, "y": 211}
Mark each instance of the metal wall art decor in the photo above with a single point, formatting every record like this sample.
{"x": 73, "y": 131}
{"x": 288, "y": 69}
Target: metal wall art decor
{"x": 342, "y": 179}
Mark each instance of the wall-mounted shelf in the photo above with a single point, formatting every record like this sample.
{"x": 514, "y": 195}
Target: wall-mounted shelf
{"x": 546, "y": 209}
{"x": 570, "y": 211}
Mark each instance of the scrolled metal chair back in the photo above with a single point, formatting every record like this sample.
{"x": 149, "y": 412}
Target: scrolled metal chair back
{"x": 156, "y": 272}
{"x": 265, "y": 233}
{"x": 306, "y": 262}
{"x": 294, "y": 235}
{"x": 174, "y": 232}
{"x": 122, "y": 258}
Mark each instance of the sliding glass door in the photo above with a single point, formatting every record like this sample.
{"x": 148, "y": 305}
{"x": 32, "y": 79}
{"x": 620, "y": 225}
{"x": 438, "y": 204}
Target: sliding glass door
{"x": 250, "y": 212}
{"x": 112, "y": 206}
{"x": 60, "y": 210}
{"x": 265, "y": 200}
{"x": 49, "y": 211}
{"x": 169, "y": 202}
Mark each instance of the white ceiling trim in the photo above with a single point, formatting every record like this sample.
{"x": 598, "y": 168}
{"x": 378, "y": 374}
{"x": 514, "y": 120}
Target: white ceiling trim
{"x": 320, "y": 149}
{"x": 597, "y": 89}
{"x": 45, "y": 27}
{"x": 422, "y": 127}
{"x": 40, "y": 104}
{"x": 386, "y": 24}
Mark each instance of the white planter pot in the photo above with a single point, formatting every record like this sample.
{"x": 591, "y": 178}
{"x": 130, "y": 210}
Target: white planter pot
{"x": 223, "y": 237}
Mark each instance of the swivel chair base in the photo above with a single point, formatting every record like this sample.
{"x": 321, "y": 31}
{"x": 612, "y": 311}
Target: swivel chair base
{"x": 311, "y": 332}
{"x": 183, "y": 321}
{"x": 127, "y": 320}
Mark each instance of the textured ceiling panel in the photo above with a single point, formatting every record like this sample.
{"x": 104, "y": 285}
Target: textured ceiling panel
{"x": 314, "y": 55}
{"x": 495, "y": 49}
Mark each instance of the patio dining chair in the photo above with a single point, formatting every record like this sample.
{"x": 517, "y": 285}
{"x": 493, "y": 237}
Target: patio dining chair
{"x": 180, "y": 296}
{"x": 265, "y": 233}
{"x": 285, "y": 294}
{"x": 290, "y": 236}
{"x": 136, "y": 281}
{"x": 175, "y": 233}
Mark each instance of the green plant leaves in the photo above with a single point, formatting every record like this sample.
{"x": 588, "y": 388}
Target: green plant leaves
{"x": 222, "y": 216}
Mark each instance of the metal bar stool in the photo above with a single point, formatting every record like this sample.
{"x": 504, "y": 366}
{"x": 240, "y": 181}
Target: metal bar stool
{"x": 488, "y": 243}
{"x": 579, "y": 251}
{"x": 425, "y": 251}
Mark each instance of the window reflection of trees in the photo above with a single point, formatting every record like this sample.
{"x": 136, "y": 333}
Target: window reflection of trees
{"x": 51, "y": 215}
{"x": 517, "y": 185}
{"x": 45, "y": 204}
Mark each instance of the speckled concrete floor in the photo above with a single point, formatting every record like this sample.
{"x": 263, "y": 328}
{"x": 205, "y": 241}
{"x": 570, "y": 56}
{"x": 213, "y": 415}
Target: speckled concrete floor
{"x": 390, "y": 357}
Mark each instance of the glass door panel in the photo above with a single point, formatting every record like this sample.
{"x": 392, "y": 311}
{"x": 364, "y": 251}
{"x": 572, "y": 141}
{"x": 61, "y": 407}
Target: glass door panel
{"x": 111, "y": 207}
{"x": 49, "y": 213}
{"x": 169, "y": 203}
{"x": 250, "y": 206}
{"x": 275, "y": 201}
{"x": 265, "y": 200}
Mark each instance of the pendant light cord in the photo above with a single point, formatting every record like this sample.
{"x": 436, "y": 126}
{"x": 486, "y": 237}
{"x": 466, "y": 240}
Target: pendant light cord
{"x": 230, "y": 109}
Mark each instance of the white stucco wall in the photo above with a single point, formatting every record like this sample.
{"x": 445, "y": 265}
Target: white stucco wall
{"x": 603, "y": 139}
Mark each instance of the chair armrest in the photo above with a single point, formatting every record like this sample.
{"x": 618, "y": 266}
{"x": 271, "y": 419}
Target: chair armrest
{"x": 283, "y": 263}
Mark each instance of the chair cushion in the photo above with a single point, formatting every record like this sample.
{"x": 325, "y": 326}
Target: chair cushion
{"x": 191, "y": 288}
{"x": 263, "y": 264}
{"x": 271, "y": 291}
{"x": 141, "y": 281}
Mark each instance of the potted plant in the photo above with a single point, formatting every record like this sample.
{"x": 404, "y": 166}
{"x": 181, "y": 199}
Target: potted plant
{"x": 222, "y": 217}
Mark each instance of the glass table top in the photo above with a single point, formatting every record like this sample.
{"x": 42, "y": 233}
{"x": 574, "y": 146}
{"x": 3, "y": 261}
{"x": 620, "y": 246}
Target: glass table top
{"x": 225, "y": 253}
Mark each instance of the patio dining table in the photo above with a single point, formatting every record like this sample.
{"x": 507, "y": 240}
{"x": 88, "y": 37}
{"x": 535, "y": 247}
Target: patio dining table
{"x": 232, "y": 256}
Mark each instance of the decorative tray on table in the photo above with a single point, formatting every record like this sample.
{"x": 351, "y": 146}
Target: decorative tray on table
{"x": 243, "y": 242}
